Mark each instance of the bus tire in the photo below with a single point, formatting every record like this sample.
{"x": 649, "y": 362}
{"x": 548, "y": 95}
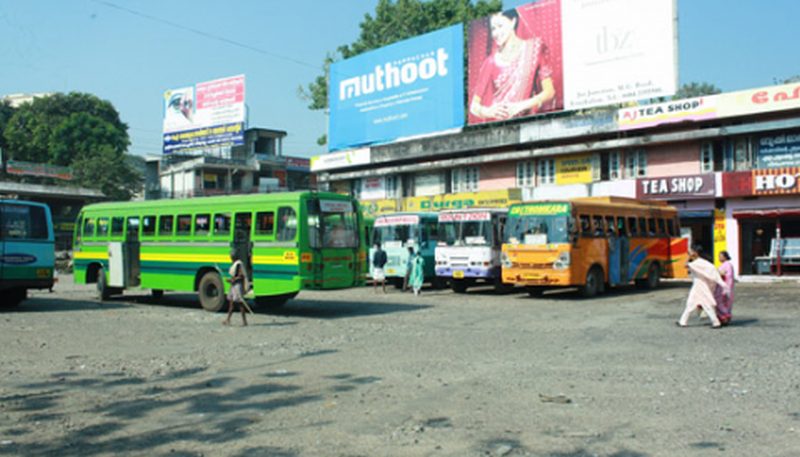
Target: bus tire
{"x": 534, "y": 291}
{"x": 500, "y": 287}
{"x": 103, "y": 291}
{"x": 15, "y": 297}
{"x": 438, "y": 283}
{"x": 211, "y": 292}
{"x": 594, "y": 282}
{"x": 653, "y": 276}
{"x": 396, "y": 282}
{"x": 459, "y": 286}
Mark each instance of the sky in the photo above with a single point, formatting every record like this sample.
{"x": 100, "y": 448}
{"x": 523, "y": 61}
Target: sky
{"x": 130, "y": 52}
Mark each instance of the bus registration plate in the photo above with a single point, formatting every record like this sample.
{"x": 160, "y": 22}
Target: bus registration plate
{"x": 458, "y": 274}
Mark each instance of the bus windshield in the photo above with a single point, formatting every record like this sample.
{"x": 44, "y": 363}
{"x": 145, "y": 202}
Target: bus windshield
{"x": 395, "y": 235}
{"x": 537, "y": 229}
{"x": 466, "y": 233}
{"x": 332, "y": 224}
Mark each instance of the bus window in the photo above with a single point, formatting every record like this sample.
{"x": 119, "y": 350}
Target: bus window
{"x": 202, "y": 222}
{"x": 651, "y": 226}
{"x": 148, "y": 226}
{"x": 586, "y": 226}
{"x": 265, "y": 223}
{"x": 222, "y": 224}
{"x": 661, "y": 230}
{"x": 24, "y": 222}
{"x": 165, "y": 226}
{"x": 117, "y": 226}
{"x": 88, "y": 227}
{"x": 133, "y": 228}
{"x": 102, "y": 227}
{"x": 184, "y": 225}
{"x": 611, "y": 226}
{"x": 671, "y": 228}
{"x": 621, "y": 229}
{"x": 597, "y": 226}
{"x": 642, "y": 227}
{"x": 632, "y": 228}
{"x": 287, "y": 224}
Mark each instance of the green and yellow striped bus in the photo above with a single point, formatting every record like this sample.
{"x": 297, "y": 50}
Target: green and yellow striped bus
{"x": 289, "y": 241}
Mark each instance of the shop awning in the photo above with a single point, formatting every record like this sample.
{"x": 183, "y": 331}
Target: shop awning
{"x": 770, "y": 213}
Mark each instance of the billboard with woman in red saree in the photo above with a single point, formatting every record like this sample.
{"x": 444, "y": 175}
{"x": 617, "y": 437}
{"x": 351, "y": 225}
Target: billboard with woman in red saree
{"x": 515, "y": 63}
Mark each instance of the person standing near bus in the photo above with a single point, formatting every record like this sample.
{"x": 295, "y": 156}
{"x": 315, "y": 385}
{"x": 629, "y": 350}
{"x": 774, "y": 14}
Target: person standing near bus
{"x": 417, "y": 275}
{"x": 409, "y": 266}
{"x": 239, "y": 286}
{"x": 379, "y": 260}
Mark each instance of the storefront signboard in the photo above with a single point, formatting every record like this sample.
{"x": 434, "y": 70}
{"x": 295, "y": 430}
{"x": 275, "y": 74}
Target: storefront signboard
{"x": 574, "y": 169}
{"x": 676, "y": 187}
{"x": 690, "y": 109}
{"x": 779, "y": 151}
{"x": 720, "y": 236}
{"x": 770, "y": 181}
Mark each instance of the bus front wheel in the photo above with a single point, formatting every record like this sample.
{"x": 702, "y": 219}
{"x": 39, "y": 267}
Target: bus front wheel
{"x": 211, "y": 292}
{"x": 103, "y": 291}
{"x": 459, "y": 286}
{"x": 594, "y": 282}
{"x": 15, "y": 297}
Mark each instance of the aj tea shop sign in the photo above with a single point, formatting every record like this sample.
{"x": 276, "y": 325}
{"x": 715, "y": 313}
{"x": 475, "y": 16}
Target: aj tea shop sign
{"x": 676, "y": 187}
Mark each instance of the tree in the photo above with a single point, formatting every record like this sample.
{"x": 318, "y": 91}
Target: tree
{"x": 6, "y": 112}
{"x": 695, "y": 89}
{"x": 393, "y": 21}
{"x": 77, "y": 130}
{"x": 789, "y": 80}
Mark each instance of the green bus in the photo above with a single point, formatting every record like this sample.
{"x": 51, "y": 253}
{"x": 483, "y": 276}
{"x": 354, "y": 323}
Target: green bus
{"x": 288, "y": 241}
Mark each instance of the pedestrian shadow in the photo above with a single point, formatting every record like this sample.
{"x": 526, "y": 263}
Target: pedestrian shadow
{"x": 743, "y": 322}
{"x": 50, "y": 305}
{"x": 324, "y": 309}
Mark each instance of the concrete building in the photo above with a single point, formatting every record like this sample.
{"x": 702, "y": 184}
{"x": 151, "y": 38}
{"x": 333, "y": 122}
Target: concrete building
{"x": 730, "y": 163}
{"x": 257, "y": 166}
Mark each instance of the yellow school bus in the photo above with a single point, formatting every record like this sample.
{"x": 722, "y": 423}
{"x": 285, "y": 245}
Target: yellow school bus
{"x": 591, "y": 243}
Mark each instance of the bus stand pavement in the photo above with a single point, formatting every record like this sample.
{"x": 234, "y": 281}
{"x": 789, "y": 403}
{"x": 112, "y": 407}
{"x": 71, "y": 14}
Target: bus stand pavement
{"x": 355, "y": 373}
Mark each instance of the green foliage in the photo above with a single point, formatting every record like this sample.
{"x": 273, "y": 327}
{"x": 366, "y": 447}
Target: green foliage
{"x": 789, "y": 80}
{"x": 6, "y": 111}
{"x": 77, "y": 130}
{"x": 396, "y": 20}
{"x": 695, "y": 89}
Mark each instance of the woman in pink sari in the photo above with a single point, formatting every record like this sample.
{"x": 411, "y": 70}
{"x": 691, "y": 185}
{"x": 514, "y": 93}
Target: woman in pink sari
{"x": 725, "y": 301}
{"x": 515, "y": 79}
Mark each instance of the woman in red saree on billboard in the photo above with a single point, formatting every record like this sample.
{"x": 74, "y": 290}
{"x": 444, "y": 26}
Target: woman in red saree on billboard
{"x": 516, "y": 76}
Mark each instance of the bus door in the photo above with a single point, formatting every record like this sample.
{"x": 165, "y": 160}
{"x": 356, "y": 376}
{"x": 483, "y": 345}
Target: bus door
{"x": 133, "y": 248}
{"x": 618, "y": 251}
{"x": 241, "y": 241}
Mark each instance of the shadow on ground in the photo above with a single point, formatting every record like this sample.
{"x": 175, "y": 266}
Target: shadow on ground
{"x": 182, "y": 409}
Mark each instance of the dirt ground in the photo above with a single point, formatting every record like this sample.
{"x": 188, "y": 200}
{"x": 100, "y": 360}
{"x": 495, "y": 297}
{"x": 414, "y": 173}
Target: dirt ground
{"x": 351, "y": 373}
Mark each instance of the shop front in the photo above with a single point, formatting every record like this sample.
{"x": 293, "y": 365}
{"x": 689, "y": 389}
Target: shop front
{"x": 763, "y": 218}
{"x": 694, "y": 197}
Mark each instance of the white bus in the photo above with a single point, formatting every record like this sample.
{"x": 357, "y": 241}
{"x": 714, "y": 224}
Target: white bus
{"x": 469, "y": 247}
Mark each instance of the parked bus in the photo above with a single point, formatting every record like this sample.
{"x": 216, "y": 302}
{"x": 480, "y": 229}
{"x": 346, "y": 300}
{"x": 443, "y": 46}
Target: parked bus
{"x": 398, "y": 232}
{"x": 592, "y": 242}
{"x": 469, "y": 247}
{"x": 289, "y": 241}
{"x": 27, "y": 249}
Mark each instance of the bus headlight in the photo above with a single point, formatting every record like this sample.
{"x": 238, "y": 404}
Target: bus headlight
{"x": 563, "y": 261}
{"x": 505, "y": 260}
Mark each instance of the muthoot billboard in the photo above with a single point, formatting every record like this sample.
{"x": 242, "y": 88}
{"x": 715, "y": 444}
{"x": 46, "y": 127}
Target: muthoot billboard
{"x": 408, "y": 88}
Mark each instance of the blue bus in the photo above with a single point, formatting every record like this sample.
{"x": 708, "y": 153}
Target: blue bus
{"x": 27, "y": 249}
